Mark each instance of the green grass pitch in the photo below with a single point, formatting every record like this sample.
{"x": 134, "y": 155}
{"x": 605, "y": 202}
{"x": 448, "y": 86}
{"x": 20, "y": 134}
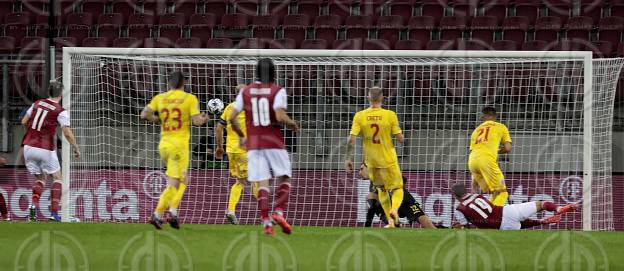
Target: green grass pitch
{"x": 85, "y": 246}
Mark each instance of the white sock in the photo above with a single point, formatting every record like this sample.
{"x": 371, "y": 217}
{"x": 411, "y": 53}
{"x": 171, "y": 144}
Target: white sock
{"x": 157, "y": 215}
{"x": 267, "y": 223}
{"x": 173, "y": 212}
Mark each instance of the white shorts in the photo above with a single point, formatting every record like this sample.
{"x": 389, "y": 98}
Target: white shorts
{"x": 262, "y": 162}
{"x": 39, "y": 161}
{"x": 513, "y": 214}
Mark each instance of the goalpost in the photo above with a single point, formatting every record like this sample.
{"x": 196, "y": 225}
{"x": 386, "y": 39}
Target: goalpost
{"x": 558, "y": 107}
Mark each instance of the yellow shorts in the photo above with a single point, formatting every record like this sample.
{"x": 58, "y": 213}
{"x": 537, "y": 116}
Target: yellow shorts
{"x": 176, "y": 159}
{"x": 389, "y": 177}
{"x": 487, "y": 174}
{"x": 238, "y": 165}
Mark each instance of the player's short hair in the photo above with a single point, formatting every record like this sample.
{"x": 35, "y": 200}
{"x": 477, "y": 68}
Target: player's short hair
{"x": 265, "y": 70}
{"x": 55, "y": 89}
{"x": 177, "y": 80}
{"x": 459, "y": 190}
{"x": 376, "y": 94}
{"x": 489, "y": 110}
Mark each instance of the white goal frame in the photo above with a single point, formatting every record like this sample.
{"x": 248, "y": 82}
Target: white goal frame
{"x": 585, "y": 56}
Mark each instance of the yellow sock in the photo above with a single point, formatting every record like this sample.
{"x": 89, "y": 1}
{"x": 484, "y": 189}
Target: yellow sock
{"x": 177, "y": 197}
{"x": 397, "y": 198}
{"x": 235, "y": 194}
{"x": 499, "y": 199}
{"x": 384, "y": 200}
{"x": 165, "y": 198}
{"x": 254, "y": 189}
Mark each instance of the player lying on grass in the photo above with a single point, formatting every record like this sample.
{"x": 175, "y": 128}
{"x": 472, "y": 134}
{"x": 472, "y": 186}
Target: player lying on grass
{"x": 485, "y": 145}
{"x": 377, "y": 125}
{"x": 41, "y": 121}
{"x": 409, "y": 209}
{"x": 482, "y": 213}
{"x": 174, "y": 110}
{"x": 237, "y": 158}
{"x": 264, "y": 104}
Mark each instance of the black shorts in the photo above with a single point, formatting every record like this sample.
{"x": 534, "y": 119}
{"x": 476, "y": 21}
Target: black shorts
{"x": 410, "y": 209}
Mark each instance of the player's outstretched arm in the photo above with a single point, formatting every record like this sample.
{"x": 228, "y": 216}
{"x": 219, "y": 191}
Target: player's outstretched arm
{"x": 199, "y": 119}
{"x": 350, "y": 153}
{"x": 148, "y": 114}
{"x": 219, "y": 141}
{"x": 69, "y": 135}
{"x": 282, "y": 117}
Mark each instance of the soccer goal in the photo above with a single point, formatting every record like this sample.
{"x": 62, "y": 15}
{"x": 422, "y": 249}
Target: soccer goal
{"x": 558, "y": 107}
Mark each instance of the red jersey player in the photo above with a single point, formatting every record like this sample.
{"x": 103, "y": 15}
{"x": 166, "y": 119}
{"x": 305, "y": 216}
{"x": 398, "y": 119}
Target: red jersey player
{"x": 265, "y": 104}
{"x": 479, "y": 211}
{"x": 41, "y": 121}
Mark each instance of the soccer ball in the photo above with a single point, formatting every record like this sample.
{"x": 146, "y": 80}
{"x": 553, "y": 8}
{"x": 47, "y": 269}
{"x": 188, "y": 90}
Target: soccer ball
{"x": 215, "y": 106}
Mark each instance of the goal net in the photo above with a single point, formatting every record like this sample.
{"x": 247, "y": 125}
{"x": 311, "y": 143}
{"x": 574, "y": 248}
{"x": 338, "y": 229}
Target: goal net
{"x": 558, "y": 107}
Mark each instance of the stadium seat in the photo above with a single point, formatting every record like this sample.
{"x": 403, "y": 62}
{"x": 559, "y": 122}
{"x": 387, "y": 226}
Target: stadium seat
{"x": 7, "y": 45}
{"x": 529, "y": 10}
{"x": 264, "y": 26}
{"x": 373, "y": 8}
{"x": 17, "y": 18}
{"x": 282, "y": 44}
{"x": 248, "y": 7}
{"x": 216, "y": 7}
{"x": 408, "y": 45}
{"x": 535, "y": 45}
{"x": 452, "y": 27}
{"x": 18, "y": 32}
{"x": 295, "y": 27}
{"x": 420, "y": 28}
{"x": 188, "y": 43}
{"x": 610, "y": 29}
{"x": 155, "y": 7}
{"x": 186, "y": 7}
{"x": 472, "y": 45}
{"x": 157, "y": 43}
{"x": 140, "y": 26}
{"x": 465, "y": 7}
{"x": 201, "y": 25}
{"x": 482, "y": 28}
{"x": 79, "y": 18}
{"x": 569, "y": 45}
{"x": 389, "y": 28}
{"x": 405, "y": 9}
{"x": 342, "y": 8}
{"x": 376, "y": 44}
{"x": 505, "y": 45}
{"x": 170, "y": 25}
{"x": 235, "y": 21}
{"x": 326, "y": 27}
{"x": 96, "y": 42}
{"x": 495, "y": 8}
{"x": 251, "y": 43}
{"x": 33, "y": 45}
{"x": 434, "y": 9}
{"x": 602, "y": 48}
{"x": 592, "y": 10}
{"x": 617, "y": 9}
{"x": 6, "y": 7}
{"x": 220, "y": 43}
{"x": 548, "y": 28}
{"x": 579, "y": 27}
{"x": 441, "y": 45}
{"x": 109, "y": 25}
{"x": 357, "y": 26}
{"x": 314, "y": 44}
{"x": 127, "y": 42}
{"x": 349, "y": 44}
{"x": 127, "y": 8}
{"x": 310, "y": 8}
{"x": 560, "y": 9}
{"x": 60, "y": 42}
{"x": 95, "y": 7}
{"x": 515, "y": 28}
{"x": 278, "y": 8}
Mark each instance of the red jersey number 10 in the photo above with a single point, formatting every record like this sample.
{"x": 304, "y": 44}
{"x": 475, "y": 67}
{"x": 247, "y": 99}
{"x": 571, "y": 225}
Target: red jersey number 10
{"x": 483, "y": 135}
{"x": 260, "y": 111}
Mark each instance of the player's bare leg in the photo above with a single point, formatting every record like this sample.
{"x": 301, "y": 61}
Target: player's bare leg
{"x": 281, "y": 202}
{"x": 37, "y": 189}
{"x": 425, "y": 222}
{"x": 263, "y": 206}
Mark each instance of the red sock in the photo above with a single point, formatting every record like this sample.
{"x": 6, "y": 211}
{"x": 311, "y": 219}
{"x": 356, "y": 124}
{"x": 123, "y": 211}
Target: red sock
{"x": 282, "y": 197}
{"x": 549, "y": 206}
{"x": 3, "y": 207}
{"x": 263, "y": 203}
{"x": 529, "y": 223}
{"x": 56, "y": 195}
{"x": 37, "y": 189}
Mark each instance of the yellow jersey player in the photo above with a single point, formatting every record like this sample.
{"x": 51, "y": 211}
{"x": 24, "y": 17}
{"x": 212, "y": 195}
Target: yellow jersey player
{"x": 237, "y": 158}
{"x": 376, "y": 126}
{"x": 485, "y": 145}
{"x": 174, "y": 110}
